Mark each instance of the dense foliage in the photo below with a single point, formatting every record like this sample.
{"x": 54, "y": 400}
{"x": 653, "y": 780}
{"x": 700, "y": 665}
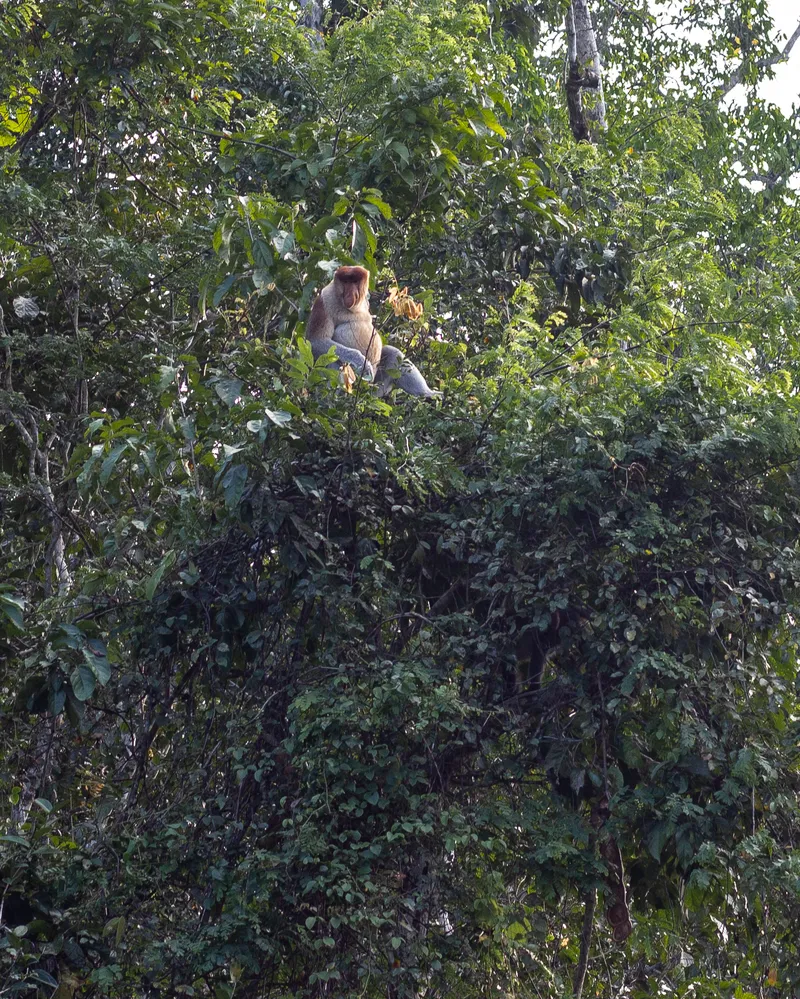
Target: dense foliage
{"x": 272, "y": 719}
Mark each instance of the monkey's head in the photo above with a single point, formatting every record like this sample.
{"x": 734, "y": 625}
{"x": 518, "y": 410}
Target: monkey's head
{"x": 352, "y": 284}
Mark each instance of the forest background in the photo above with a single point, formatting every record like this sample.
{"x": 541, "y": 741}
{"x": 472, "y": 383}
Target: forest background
{"x": 272, "y": 716}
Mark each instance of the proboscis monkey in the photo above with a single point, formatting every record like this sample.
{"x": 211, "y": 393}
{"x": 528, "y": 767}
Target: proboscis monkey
{"x": 340, "y": 318}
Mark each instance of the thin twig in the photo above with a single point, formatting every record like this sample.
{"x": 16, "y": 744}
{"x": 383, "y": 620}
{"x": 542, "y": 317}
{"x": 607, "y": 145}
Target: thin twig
{"x": 586, "y": 944}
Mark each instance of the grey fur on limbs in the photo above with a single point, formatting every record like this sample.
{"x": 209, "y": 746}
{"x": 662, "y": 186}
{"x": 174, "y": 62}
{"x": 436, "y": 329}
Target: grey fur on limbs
{"x": 346, "y": 355}
{"x": 396, "y": 371}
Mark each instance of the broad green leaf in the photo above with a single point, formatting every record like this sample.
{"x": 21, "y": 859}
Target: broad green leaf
{"x": 43, "y": 977}
{"x": 99, "y": 665}
{"x": 13, "y": 838}
{"x": 229, "y": 390}
{"x": 110, "y": 463}
{"x": 366, "y": 228}
{"x": 233, "y": 483}
{"x": 382, "y": 206}
{"x": 223, "y": 289}
{"x": 278, "y": 416}
{"x": 83, "y": 682}
{"x": 151, "y": 583}
{"x": 12, "y": 607}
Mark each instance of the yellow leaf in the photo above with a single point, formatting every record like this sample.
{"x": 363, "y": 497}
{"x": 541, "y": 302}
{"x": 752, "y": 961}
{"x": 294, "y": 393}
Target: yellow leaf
{"x": 348, "y": 378}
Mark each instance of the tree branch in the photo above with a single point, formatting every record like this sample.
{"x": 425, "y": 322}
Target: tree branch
{"x": 584, "y": 72}
{"x": 737, "y": 75}
{"x": 586, "y": 944}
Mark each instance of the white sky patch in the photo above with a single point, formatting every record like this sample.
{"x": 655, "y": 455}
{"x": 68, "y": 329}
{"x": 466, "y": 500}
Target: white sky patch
{"x": 784, "y": 90}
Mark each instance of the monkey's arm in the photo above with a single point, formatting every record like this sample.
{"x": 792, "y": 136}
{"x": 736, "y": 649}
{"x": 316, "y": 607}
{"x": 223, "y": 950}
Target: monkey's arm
{"x": 319, "y": 332}
{"x": 346, "y": 355}
{"x": 396, "y": 371}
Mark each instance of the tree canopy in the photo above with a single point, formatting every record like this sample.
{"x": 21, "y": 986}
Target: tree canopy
{"x": 307, "y": 692}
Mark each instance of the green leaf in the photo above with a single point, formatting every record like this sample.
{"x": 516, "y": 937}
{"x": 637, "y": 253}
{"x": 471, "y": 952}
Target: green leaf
{"x": 366, "y": 228}
{"x": 263, "y": 281}
{"x": 490, "y": 119}
{"x": 278, "y": 416}
{"x": 188, "y": 429}
{"x": 68, "y": 636}
{"x": 74, "y": 710}
{"x": 167, "y": 376}
{"x": 328, "y": 267}
{"x": 56, "y": 698}
{"x": 263, "y": 257}
{"x": 12, "y": 607}
{"x": 37, "y": 975}
{"x": 99, "y": 665}
{"x": 108, "y": 466}
{"x": 283, "y": 241}
{"x": 223, "y": 289}
{"x": 115, "y": 927}
{"x": 13, "y": 838}
{"x": 229, "y": 390}
{"x": 151, "y": 584}
{"x": 382, "y": 206}
{"x": 233, "y": 483}
{"x": 83, "y": 682}
{"x": 401, "y": 150}
{"x": 657, "y": 837}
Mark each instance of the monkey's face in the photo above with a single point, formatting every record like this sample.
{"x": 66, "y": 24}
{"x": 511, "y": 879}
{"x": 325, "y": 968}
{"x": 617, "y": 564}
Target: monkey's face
{"x": 352, "y": 283}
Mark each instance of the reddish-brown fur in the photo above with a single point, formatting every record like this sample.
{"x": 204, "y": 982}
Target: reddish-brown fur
{"x": 340, "y": 320}
{"x": 341, "y": 315}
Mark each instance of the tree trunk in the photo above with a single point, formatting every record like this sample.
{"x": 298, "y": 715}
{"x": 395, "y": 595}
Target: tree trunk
{"x": 312, "y": 16}
{"x": 584, "y": 83}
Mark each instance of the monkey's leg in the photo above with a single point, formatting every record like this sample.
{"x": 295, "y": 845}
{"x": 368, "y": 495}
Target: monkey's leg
{"x": 346, "y": 355}
{"x": 396, "y": 371}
